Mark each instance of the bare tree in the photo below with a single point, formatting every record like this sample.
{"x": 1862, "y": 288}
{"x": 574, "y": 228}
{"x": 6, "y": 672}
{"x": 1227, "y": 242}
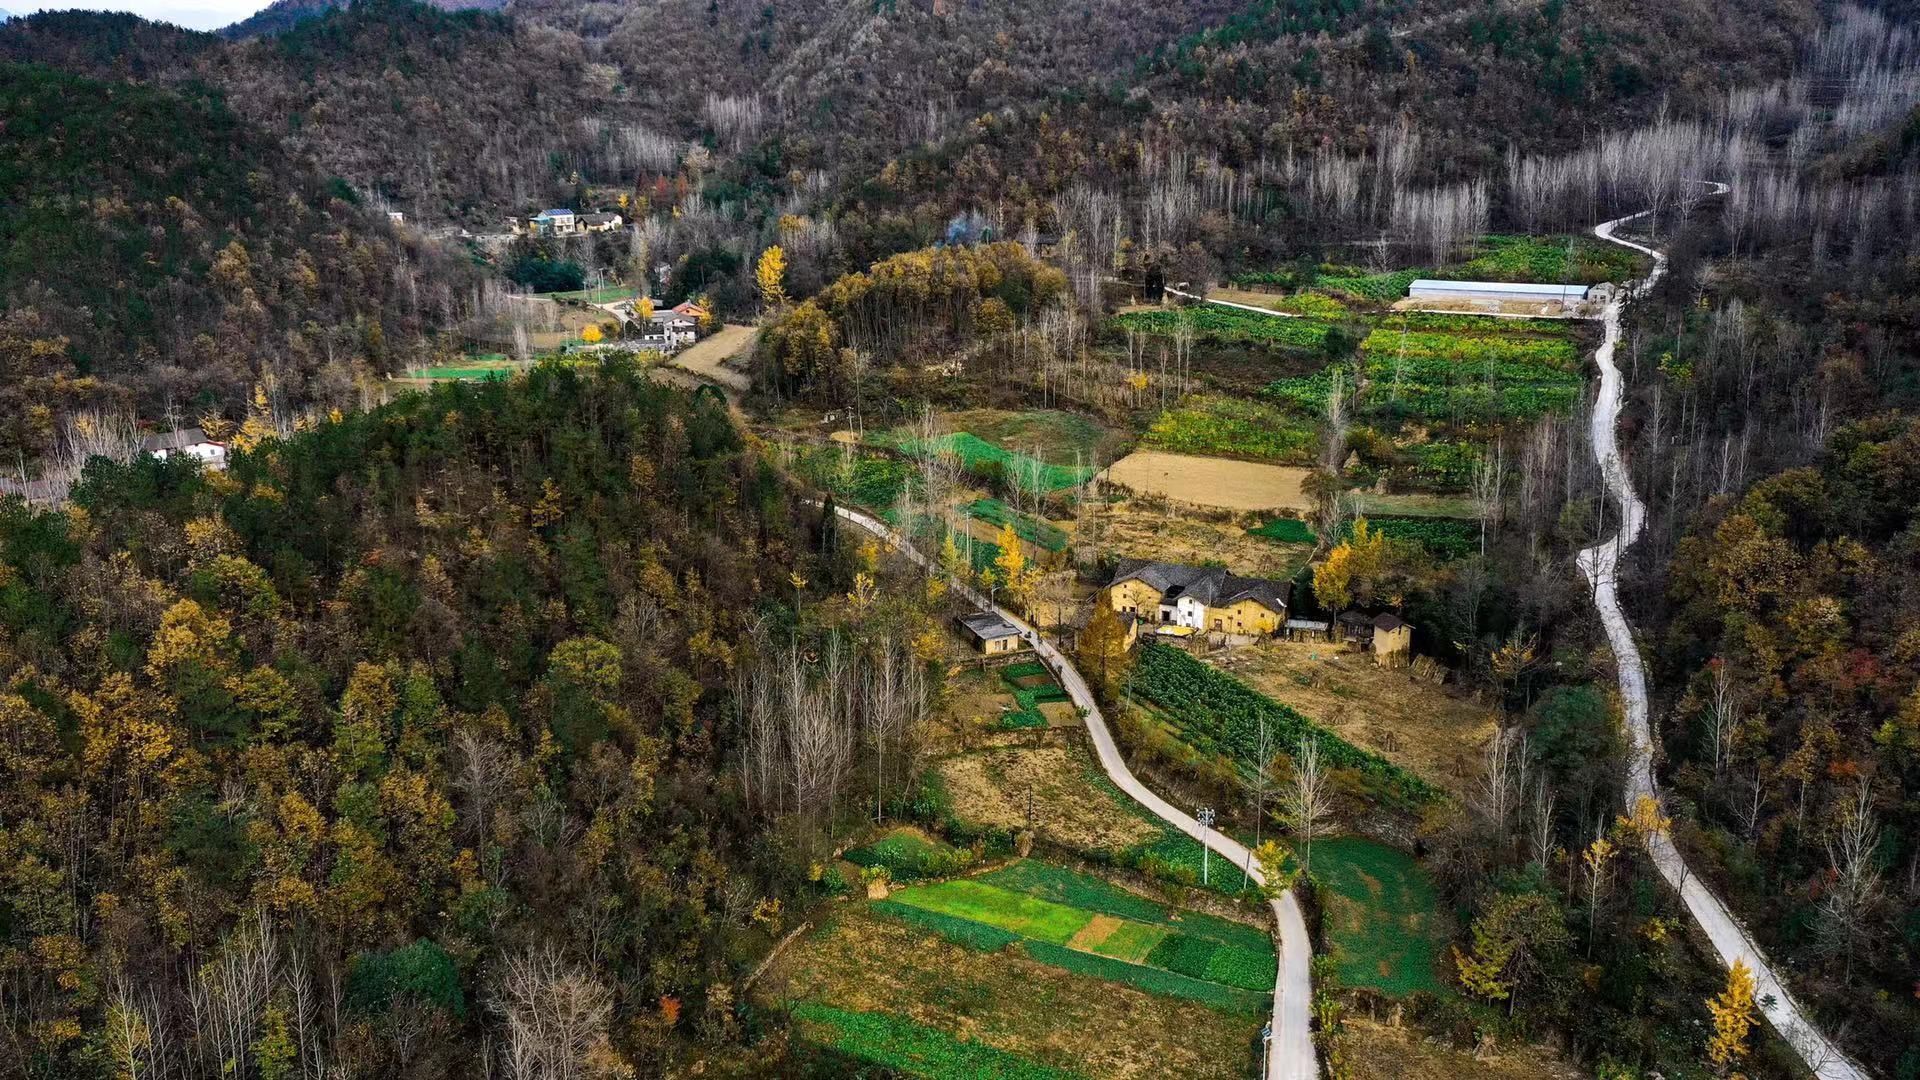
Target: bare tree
{"x": 1257, "y": 778}
{"x": 1722, "y": 715}
{"x": 1307, "y": 802}
{"x": 1855, "y": 888}
{"x": 1503, "y": 779}
{"x": 555, "y": 1014}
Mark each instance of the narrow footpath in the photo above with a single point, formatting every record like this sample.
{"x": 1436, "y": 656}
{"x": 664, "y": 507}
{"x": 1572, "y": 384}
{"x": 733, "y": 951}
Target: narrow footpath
{"x": 1601, "y": 565}
{"x": 1290, "y": 1054}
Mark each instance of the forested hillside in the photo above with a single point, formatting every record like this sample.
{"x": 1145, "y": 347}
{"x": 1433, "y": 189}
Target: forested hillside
{"x": 154, "y": 242}
{"x": 408, "y": 733}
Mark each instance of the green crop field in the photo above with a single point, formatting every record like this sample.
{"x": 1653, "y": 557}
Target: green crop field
{"x": 1233, "y": 427}
{"x": 1023, "y": 471}
{"x": 1575, "y": 260}
{"x": 1444, "y": 538}
{"x": 1216, "y": 713}
{"x": 913, "y": 1048}
{"x": 1380, "y": 915}
{"x": 1285, "y": 531}
{"x": 1065, "y": 886}
{"x": 1086, "y": 925}
{"x": 1040, "y": 534}
{"x": 1028, "y": 916}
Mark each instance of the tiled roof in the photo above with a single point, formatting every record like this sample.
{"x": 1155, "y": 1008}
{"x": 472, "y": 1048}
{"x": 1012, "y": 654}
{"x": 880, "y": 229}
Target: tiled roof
{"x": 988, "y": 626}
{"x": 1209, "y": 585}
{"x": 173, "y": 440}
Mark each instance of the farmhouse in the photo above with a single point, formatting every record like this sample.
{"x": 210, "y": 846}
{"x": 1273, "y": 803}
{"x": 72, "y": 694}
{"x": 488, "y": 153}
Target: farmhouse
{"x": 190, "y": 442}
{"x": 560, "y": 222}
{"x": 990, "y": 633}
{"x": 1495, "y": 292}
{"x": 1387, "y": 636}
{"x": 599, "y": 222}
{"x": 1199, "y": 598}
{"x": 668, "y": 331}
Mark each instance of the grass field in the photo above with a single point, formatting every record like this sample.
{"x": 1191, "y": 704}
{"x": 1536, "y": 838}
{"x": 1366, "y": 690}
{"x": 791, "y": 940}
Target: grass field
{"x": 900, "y": 1043}
{"x": 1039, "y": 533}
{"x": 482, "y": 366}
{"x": 606, "y": 294}
{"x": 907, "y": 855}
{"x": 1380, "y": 916}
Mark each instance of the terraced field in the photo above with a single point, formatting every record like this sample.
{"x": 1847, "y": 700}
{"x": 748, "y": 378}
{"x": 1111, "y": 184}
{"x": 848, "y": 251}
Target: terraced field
{"x": 1030, "y": 971}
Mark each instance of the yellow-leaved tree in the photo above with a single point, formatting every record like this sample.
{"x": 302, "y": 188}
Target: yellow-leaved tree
{"x": 1732, "y": 1013}
{"x": 770, "y": 274}
{"x": 590, "y": 334}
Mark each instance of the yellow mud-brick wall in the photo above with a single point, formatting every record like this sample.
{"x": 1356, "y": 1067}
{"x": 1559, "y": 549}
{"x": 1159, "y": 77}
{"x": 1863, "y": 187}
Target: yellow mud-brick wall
{"x": 1393, "y": 647}
{"x": 1245, "y": 617}
{"x": 1136, "y": 596}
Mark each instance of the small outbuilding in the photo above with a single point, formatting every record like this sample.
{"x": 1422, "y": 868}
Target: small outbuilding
{"x": 1307, "y": 630}
{"x": 991, "y": 634}
{"x": 1392, "y": 640}
{"x": 1496, "y": 292}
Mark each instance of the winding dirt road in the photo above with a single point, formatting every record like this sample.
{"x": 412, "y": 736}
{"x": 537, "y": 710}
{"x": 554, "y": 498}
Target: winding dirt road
{"x": 1601, "y": 565}
{"x": 1290, "y": 1053}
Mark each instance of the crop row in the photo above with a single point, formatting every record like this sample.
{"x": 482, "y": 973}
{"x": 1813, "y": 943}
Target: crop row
{"x": 1469, "y": 350}
{"x": 1446, "y": 538}
{"x": 1218, "y": 712}
{"x": 916, "y": 1049}
{"x": 1065, "y": 886}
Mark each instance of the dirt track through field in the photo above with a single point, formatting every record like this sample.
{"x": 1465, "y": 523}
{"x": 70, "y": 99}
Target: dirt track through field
{"x": 1205, "y": 481}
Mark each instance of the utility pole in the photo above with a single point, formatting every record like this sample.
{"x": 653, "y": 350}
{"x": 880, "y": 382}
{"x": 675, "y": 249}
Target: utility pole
{"x": 1205, "y": 817}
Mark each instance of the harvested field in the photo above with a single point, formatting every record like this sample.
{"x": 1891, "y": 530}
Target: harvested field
{"x": 1042, "y": 1013}
{"x": 1204, "y": 481}
{"x": 1139, "y": 529}
{"x": 1376, "y": 1049}
{"x": 990, "y": 787}
{"x": 1418, "y": 726}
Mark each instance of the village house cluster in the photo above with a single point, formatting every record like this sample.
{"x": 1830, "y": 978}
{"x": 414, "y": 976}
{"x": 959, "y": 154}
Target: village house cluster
{"x": 1179, "y": 601}
{"x": 564, "y": 222}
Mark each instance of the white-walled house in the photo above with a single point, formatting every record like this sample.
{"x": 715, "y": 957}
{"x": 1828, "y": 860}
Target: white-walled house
{"x": 191, "y": 442}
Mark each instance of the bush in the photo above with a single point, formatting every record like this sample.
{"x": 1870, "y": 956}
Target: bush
{"x": 422, "y": 971}
{"x": 1285, "y": 530}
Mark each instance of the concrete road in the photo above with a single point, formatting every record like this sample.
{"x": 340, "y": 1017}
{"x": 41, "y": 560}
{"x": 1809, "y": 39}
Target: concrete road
{"x": 1290, "y": 1053}
{"x": 1601, "y": 564}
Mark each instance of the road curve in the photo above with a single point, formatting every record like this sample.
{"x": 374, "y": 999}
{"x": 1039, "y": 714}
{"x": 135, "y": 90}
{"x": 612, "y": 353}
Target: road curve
{"x": 1601, "y": 564}
{"x": 1290, "y": 1054}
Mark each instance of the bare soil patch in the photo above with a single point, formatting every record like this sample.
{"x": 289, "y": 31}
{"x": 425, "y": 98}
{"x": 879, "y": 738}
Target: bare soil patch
{"x": 1376, "y": 1049}
{"x": 1429, "y": 729}
{"x": 1204, "y": 481}
{"x": 990, "y": 787}
{"x": 1138, "y": 529}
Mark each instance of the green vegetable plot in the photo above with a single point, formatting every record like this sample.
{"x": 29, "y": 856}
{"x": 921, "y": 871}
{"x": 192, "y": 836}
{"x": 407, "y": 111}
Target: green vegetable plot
{"x": 899, "y": 1043}
{"x": 1106, "y": 932}
{"x": 1218, "y": 714}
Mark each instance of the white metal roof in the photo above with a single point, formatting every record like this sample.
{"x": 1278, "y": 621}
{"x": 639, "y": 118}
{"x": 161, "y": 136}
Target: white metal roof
{"x": 1575, "y": 292}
